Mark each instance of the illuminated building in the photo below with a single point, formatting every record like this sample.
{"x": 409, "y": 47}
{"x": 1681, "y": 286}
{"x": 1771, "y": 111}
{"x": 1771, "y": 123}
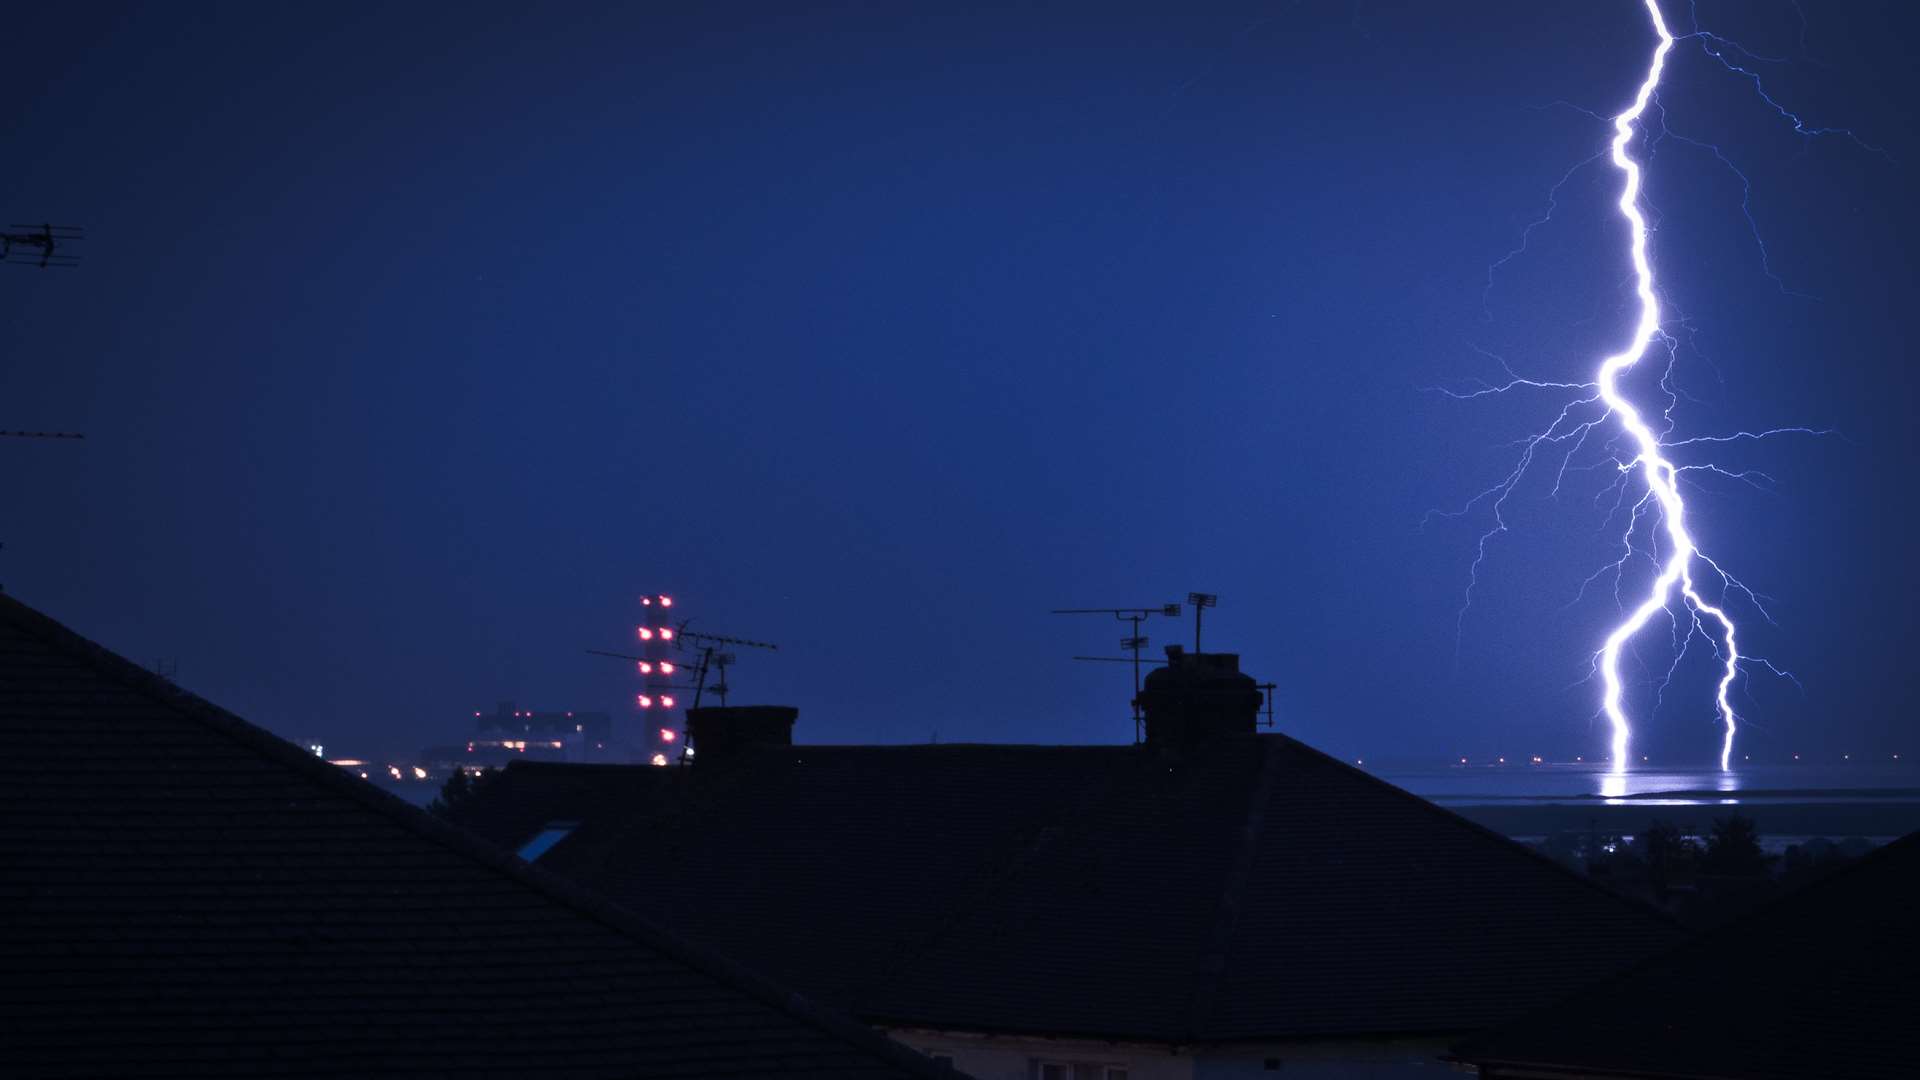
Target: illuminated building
{"x": 511, "y": 733}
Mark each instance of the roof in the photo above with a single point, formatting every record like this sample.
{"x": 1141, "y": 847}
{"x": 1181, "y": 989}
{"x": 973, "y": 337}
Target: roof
{"x": 185, "y": 894}
{"x": 1817, "y": 983}
{"x": 1248, "y": 888}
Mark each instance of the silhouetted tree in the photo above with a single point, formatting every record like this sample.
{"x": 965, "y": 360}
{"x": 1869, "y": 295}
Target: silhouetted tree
{"x": 1734, "y": 848}
{"x": 1670, "y": 856}
{"x": 458, "y": 790}
{"x": 1813, "y": 860}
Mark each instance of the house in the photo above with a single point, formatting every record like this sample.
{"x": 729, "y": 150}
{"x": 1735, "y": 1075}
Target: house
{"x": 1817, "y": 983}
{"x": 1212, "y": 902}
{"x": 183, "y": 894}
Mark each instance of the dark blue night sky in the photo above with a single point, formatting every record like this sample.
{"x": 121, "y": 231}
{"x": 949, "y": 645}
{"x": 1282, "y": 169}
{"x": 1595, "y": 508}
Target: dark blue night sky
{"x": 412, "y": 344}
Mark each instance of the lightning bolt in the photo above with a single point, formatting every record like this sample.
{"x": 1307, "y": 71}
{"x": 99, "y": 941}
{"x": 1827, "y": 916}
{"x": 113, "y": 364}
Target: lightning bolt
{"x": 1656, "y": 519}
{"x": 1662, "y": 477}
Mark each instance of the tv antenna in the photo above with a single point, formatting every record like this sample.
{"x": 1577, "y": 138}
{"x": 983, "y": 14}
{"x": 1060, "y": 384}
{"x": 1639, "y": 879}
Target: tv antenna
{"x": 713, "y": 656}
{"x": 1201, "y": 602}
{"x": 1133, "y": 642}
{"x": 713, "y": 659}
{"x": 657, "y": 633}
{"x": 42, "y": 245}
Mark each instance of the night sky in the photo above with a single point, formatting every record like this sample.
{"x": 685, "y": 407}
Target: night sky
{"x": 411, "y": 345}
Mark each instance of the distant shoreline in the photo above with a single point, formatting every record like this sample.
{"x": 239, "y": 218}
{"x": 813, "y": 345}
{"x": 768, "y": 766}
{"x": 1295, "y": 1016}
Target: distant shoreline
{"x": 1834, "y": 820}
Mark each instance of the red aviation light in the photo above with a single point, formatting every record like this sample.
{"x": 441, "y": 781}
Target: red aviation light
{"x": 646, "y": 601}
{"x": 644, "y": 701}
{"x": 666, "y": 601}
{"x": 666, "y": 667}
{"x": 667, "y": 734}
{"x": 646, "y": 668}
{"x": 645, "y": 634}
{"x": 666, "y": 633}
{"x": 666, "y": 702}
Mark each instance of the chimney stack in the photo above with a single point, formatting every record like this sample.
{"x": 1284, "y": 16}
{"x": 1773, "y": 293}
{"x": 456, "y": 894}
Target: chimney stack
{"x": 1198, "y": 696}
{"x": 721, "y": 734}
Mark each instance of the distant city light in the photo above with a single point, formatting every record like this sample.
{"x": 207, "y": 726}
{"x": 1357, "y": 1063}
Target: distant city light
{"x": 646, "y": 668}
{"x": 668, "y": 734}
{"x": 666, "y": 601}
{"x": 644, "y": 701}
{"x": 395, "y": 770}
{"x": 666, "y": 633}
{"x": 419, "y": 773}
{"x": 666, "y": 668}
{"x": 646, "y": 601}
{"x": 659, "y": 759}
{"x": 666, "y": 701}
{"x": 645, "y": 634}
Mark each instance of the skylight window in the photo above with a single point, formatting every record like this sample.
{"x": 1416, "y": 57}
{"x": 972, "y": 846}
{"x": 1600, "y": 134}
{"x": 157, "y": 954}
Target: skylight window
{"x": 544, "y": 840}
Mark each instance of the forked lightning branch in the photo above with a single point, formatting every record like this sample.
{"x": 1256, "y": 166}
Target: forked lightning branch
{"x": 1648, "y": 473}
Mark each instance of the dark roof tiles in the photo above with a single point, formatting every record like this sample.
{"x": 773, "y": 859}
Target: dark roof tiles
{"x": 1249, "y": 888}
{"x": 1818, "y": 983}
{"x": 183, "y": 894}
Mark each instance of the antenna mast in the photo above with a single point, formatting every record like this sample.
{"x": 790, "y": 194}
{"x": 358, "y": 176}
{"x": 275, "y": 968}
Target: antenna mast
{"x": 655, "y": 641}
{"x": 1134, "y": 642}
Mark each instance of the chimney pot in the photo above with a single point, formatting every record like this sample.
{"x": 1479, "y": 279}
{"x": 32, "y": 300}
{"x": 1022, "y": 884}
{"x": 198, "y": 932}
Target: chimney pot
{"x": 722, "y": 733}
{"x": 1198, "y": 696}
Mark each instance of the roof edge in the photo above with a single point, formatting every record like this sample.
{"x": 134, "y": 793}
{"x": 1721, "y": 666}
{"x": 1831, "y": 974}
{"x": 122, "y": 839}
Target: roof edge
{"x": 1734, "y": 928}
{"x": 117, "y": 668}
{"x": 1435, "y": 809}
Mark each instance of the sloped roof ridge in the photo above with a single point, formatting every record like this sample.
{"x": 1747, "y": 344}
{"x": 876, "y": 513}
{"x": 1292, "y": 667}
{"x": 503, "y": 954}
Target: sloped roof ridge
{"x": 1212, "y": 966}
{"x": 1433, "y": 809}
{"x": 1733, "y": 929}
{"x": 997, "y": 878}
{"x": 116, "y": 668}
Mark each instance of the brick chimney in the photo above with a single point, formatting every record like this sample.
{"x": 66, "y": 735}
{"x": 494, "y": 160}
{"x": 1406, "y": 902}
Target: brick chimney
{"x": 720, "y": 734}
{"x": 1198, "y": 696}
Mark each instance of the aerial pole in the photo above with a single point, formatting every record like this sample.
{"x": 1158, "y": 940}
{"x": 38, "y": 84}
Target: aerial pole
{"x": 1134, "y": 642}
{"x": 1201, "y": 602}
{"x": 47, "y": 241}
